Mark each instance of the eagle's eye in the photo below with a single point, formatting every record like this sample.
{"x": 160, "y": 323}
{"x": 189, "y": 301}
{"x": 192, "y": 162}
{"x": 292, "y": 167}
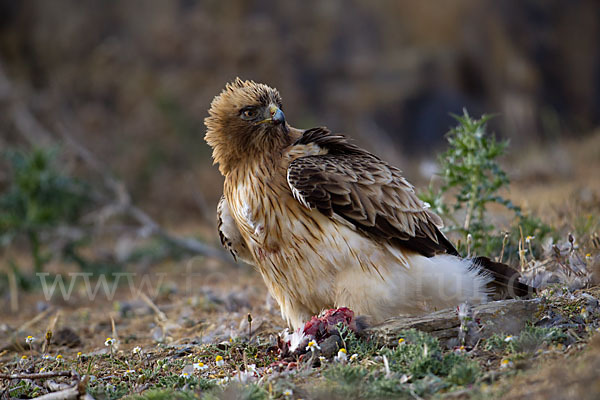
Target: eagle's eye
{"x": 249, "y": 113}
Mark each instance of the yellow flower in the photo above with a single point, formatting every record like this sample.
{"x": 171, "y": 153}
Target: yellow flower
{"x": 313, "y": 346}
{"x": 109, "y": 341}
{"x": 78, "y": 354}
{"x": 24, "y": 358}
{"x": 505, "y": 363}
{"x": 59, "y": 358}
{"x": 461, "y": 349}
{"x": 29, "y": 339}
{"x": 401, "y": 341}
{"x": 584, "y": 313}
{"x": 219, "y": 361}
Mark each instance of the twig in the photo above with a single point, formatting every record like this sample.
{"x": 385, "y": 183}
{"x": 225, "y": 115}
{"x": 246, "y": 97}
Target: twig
{"x": 162, "y": 317}
{"x": 115, "y": 335}
{"x": 504, "y": 241}
{"x": 13, "y": 290}
{"x": 41, "y": 375}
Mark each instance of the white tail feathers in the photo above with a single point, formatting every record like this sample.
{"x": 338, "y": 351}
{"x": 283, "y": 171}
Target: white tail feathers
{"x": 445, "y": 281}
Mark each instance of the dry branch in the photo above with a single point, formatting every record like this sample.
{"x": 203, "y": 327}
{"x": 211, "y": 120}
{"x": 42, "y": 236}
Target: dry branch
{"x": 41, "y": 375}
{"x": 505, "y": 316}
{"x": 71, "y": 393}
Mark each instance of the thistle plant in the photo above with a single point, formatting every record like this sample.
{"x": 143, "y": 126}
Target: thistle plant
{"x": 470, "y": 171}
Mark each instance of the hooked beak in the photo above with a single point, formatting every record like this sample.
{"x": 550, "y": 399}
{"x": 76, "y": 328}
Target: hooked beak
{"x": 276, "y": 116}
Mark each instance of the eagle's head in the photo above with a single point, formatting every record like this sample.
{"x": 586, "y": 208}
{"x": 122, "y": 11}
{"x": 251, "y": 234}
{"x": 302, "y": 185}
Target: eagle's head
{"x": 244, "y": 120}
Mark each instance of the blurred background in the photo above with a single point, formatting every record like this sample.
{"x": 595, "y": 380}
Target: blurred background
{"x": 104, "y": 168}
{"x": 131, "y": 81}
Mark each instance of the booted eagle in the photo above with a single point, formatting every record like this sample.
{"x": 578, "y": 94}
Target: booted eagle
{"x": 328, "y": 224}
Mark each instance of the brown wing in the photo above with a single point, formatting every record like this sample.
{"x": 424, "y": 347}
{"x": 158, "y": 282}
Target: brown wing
{"x": 366, "y": 191}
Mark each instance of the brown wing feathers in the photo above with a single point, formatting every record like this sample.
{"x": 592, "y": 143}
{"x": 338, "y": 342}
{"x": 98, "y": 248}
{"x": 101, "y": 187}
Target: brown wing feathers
{"x": 372, "y": 195}
{"x": 366, "y": 191}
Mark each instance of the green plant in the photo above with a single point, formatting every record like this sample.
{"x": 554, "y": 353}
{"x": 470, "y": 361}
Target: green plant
{"x": 464, "y": 373}
{"x": 469, "y": 170}
{"x": 530, "y": 339}
{"x": 39, "y": 197}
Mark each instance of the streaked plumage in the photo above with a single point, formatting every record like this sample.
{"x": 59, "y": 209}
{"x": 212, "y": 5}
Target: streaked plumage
{"x": 326, "y": 223}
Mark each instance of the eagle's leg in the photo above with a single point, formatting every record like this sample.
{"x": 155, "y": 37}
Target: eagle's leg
{"x": 295, "y": 313}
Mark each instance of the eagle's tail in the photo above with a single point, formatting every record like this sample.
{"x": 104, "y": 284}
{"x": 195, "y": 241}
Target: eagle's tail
{"x": 505, "y": 283}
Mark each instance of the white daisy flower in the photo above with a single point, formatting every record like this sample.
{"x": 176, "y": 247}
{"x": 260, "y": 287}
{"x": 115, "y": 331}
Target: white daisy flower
{"x": 219, "y": 361}
{"x": 199, "y": 366}
{"x": 342, "y": 356}
{"x": 313, "y": 346}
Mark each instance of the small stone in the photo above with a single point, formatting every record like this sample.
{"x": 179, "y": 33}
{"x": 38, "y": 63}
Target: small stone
{"x": 331, "y": 346}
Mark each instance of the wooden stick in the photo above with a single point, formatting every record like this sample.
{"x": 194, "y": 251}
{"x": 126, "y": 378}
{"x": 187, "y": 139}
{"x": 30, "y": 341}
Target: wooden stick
{"x": 162, "y": 317}
{"x": 41, "y": 375}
